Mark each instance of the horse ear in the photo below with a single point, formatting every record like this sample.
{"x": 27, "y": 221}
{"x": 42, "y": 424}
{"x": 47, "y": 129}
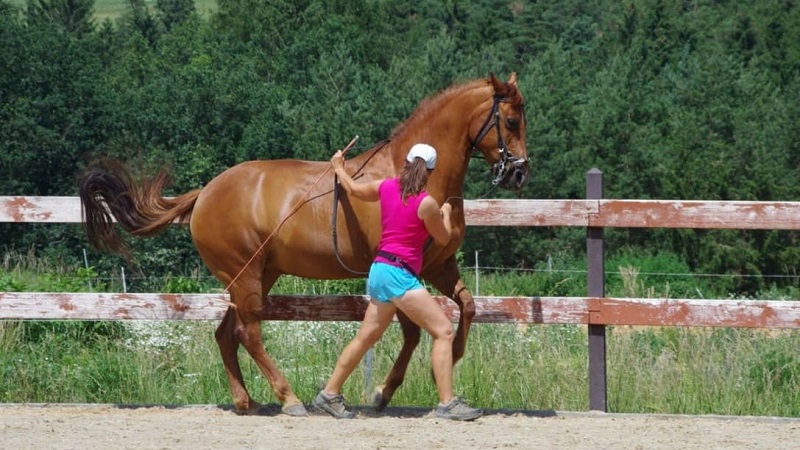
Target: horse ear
{"x": 498, "y": 85}
{"x": 512, "y": 80}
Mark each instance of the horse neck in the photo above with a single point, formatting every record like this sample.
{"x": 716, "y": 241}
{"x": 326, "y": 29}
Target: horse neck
{"x": 444, "y": 125}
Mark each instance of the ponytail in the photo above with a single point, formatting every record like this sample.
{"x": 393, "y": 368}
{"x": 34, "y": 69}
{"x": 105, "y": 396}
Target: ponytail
{"x": 413, "y": 178}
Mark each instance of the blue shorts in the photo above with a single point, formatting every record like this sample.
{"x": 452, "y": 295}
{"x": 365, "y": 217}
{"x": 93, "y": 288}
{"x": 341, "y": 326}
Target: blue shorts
{"x": 387, "y": 282}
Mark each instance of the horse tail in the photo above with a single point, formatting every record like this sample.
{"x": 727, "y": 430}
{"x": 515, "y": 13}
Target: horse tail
{"x": 108, "y": 191}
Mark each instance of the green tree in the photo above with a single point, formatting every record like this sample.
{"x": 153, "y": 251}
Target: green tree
{"x": 74, "y": 16}
{"x": 173, "y": 12}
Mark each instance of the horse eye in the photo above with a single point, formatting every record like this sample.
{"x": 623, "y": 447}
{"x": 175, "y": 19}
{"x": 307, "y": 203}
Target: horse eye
{"x": 512, "y": 123}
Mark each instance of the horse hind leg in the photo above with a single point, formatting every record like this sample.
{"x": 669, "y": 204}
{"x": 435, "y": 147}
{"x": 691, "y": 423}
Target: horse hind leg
{"x": 411, "y": 335}
{"x": 228, "y": 347}
{"x": 247, "y": 296}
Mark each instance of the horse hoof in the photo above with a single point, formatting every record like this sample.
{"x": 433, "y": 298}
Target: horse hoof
{"x": 296, "y": 410}
{"x": 379, "y": 402}
{"x": 252, "y": 409}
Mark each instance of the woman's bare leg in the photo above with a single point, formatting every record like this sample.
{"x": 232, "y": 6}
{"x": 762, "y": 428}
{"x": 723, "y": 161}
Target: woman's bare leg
{"x": 376, "y": 319}
{"x": 422, "y": 308}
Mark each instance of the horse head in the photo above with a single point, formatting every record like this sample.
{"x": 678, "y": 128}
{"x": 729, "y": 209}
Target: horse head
{"x": 499, "y": 135}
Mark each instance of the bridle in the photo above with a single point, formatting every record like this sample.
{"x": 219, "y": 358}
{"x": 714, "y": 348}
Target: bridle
{"x": 507, "y": 161}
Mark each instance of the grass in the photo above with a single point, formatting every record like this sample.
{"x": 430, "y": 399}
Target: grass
{"x": 653, "y": 370}
{"x": 533, "y": 367}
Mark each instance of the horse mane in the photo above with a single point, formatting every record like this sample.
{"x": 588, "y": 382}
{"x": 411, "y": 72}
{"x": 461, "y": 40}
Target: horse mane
{"x": 432, "y": 103}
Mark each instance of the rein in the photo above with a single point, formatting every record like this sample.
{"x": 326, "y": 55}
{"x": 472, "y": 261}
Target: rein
{"x": 492, "y": 121}
{"x": 334, "y": 217}
{"x": 294, "y": 209}
{"x": 334, "y": 235}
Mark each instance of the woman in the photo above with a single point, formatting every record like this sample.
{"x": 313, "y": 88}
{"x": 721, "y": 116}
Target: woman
{"x": 408, "y": 216}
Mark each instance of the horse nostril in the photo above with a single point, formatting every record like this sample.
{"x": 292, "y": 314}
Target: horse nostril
{"x": 521, "y": 177}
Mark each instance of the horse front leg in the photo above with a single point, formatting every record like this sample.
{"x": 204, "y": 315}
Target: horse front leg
{"x": 448, "y": 281}
{"x": 411, "y": 336}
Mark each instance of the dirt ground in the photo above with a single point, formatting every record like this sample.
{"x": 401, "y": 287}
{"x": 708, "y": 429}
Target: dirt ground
{"x": 87, "y": 427}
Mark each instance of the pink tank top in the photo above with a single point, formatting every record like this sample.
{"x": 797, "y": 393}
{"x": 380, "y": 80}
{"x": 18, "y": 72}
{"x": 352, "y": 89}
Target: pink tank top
{"x": 403, "y": 233}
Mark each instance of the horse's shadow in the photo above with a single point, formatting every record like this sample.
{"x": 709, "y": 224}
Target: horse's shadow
{"x": 399, "y": 412}
{"x": 362, "y": 412}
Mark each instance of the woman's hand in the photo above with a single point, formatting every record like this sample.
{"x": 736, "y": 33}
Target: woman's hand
{"x": 337, "y": 160}
{"x": 445, "y": 210}
{"x": 438, "y": 225}
{"x": 367, "y": 191}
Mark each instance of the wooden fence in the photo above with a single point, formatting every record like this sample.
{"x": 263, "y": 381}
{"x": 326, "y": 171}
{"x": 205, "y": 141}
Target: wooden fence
{"x": 595, "y": 310}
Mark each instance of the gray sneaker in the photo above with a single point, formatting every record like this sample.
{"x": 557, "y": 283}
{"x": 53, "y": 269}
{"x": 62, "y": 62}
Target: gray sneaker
{"x": 456, "y": 409}
{"x": 333, "y": 405}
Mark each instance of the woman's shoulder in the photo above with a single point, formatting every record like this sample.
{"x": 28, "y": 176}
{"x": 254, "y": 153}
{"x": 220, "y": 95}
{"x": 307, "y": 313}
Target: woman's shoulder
{"x": 427, "y": 206}
{"x": 393, "y": 183}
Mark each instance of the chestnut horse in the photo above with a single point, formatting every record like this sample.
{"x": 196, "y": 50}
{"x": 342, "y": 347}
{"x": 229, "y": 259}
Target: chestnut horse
{"x": 261, "y": 219}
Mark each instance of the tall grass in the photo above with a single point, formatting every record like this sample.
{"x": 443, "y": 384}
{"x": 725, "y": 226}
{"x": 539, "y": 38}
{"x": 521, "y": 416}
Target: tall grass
{"x": 720, "y": 371}
{"x": 650, "y": 369}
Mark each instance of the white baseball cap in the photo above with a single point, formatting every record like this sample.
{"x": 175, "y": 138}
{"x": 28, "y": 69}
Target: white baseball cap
{"x": 424, "y": 151}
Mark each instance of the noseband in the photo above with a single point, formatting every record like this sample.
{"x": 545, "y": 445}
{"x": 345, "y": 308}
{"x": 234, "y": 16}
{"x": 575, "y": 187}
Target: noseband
{"x": 501, "y": 168}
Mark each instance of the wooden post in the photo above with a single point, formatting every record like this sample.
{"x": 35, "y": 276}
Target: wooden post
{"x": 595, "y": 272}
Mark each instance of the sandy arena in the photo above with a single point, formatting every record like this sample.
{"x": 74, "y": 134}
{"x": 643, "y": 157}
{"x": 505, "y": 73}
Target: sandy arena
{"x": 87, "y": 427}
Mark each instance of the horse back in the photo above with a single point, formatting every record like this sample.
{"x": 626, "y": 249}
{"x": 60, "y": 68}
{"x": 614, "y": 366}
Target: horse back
{"x": 283, "y": 210}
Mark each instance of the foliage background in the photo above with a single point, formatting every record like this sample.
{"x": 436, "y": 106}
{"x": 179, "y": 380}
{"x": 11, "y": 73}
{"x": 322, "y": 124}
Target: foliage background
{"x": 670, "y": 99}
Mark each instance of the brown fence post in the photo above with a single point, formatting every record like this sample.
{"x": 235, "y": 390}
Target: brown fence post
{"x": 595, "y": 272}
